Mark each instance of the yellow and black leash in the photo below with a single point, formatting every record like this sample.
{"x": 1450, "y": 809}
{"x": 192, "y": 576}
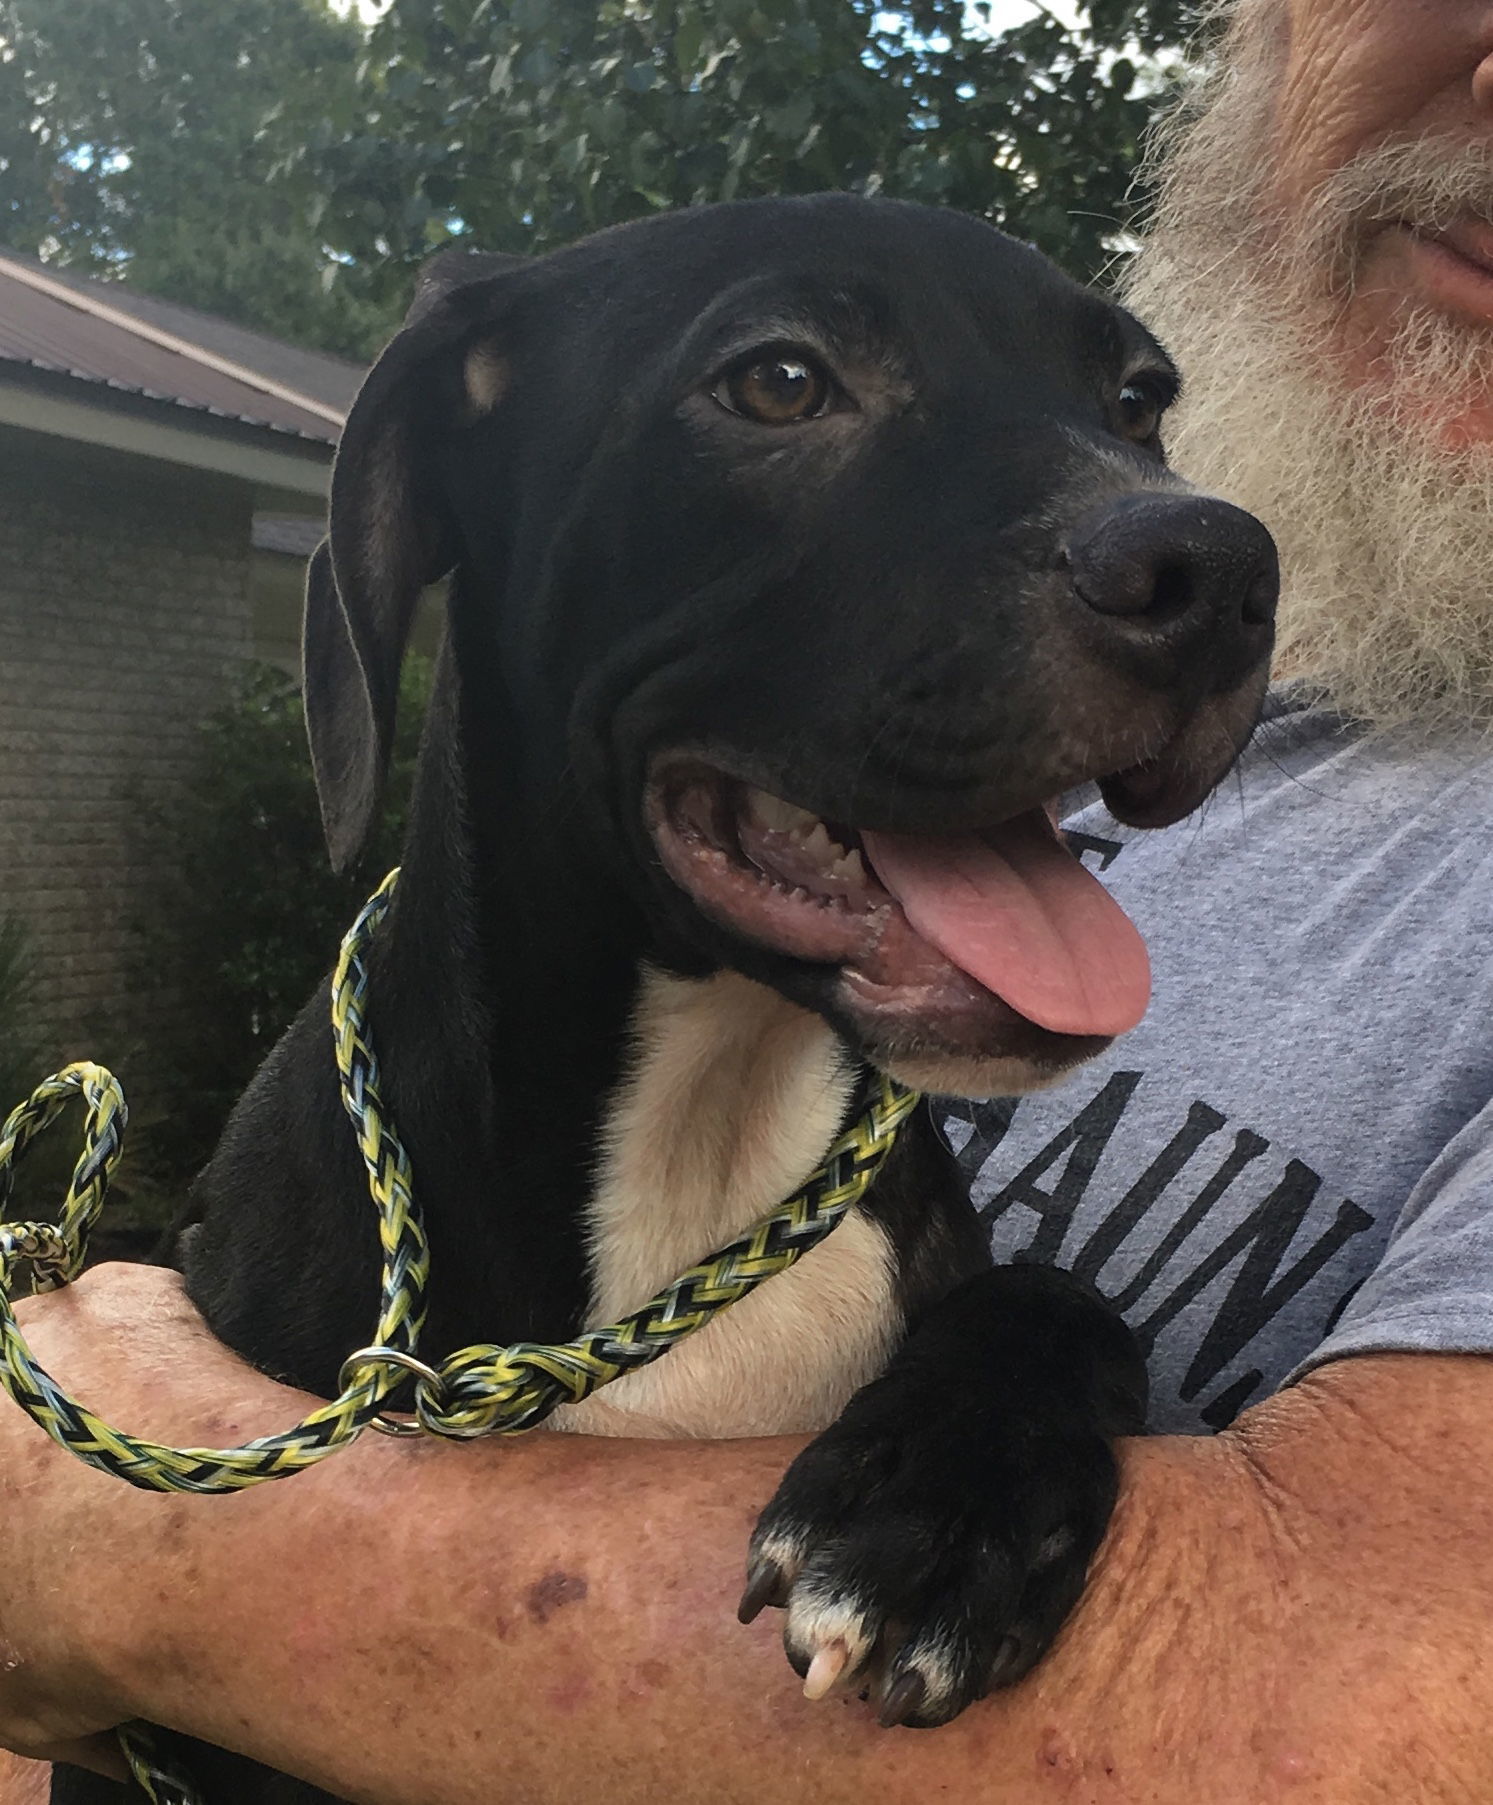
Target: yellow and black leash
{"x": 478, "y": 1391}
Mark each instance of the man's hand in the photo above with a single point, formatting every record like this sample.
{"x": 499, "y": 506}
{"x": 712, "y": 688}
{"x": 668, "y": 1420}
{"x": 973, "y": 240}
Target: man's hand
{"x": 125, "y": 1340}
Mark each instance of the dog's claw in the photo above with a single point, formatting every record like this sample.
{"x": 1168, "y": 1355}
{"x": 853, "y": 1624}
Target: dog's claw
{"x": 763, "y": 1587}
{"x": 825, "y": 1670}
{"x": 905, "y": 1694}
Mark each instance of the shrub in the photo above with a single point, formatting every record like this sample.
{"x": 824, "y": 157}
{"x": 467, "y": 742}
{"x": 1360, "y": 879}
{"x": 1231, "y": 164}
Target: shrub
{"x": 20, "y": 1045}
{"x": 247, "y": 914}
{"x": 24, "y": 1062}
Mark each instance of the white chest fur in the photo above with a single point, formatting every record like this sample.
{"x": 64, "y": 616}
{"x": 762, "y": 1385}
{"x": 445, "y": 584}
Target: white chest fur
{"x": 731, "y": 1100}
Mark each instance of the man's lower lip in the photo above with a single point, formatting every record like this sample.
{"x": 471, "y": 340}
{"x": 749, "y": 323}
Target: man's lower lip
{"x": 1451, "y": 281}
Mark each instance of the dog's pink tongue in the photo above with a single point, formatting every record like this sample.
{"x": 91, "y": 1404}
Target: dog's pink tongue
{"x": 1019, "y": 913}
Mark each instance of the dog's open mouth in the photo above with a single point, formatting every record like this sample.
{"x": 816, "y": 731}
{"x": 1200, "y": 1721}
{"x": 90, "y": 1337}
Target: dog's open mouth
{"x": 988, "y": 928}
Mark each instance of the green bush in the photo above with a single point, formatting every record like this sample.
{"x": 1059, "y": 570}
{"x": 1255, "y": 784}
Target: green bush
{"x": 24, "y": 1062}
{"x": 20, "y": 1045}
{"x": 247, "y": 914}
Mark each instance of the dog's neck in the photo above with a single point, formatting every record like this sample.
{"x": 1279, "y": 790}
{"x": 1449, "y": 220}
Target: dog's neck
{"x": 729, "y": 1098}
{"x": 553, "y": 1091}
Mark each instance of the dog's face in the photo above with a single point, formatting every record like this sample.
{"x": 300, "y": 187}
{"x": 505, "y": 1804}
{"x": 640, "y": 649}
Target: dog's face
{"x": 822, "y": 544}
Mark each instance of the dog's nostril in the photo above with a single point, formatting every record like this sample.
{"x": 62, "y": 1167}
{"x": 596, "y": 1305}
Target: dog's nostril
{"x": 1117, "y": 580}
{"x": 1173, "y": 590}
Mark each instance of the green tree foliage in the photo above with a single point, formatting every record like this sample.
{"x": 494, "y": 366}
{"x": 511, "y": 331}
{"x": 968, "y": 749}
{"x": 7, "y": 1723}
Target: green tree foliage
{"x": 271, "y": 161}
{"x": 137, "y": 138}
{"x": 247, "y": 914}
{"x": 528, "y": 122}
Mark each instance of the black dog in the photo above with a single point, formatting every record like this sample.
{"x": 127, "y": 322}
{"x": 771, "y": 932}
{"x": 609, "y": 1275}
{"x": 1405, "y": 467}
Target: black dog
{"x": 801, "y": 554}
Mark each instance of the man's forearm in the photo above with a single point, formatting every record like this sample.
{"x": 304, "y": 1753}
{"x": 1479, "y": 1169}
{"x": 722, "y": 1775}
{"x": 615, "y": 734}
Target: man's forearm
{"x": 486, "y": 1624}
{"x": 1300, "y": 1611}
{"x": 410, "y": 1625}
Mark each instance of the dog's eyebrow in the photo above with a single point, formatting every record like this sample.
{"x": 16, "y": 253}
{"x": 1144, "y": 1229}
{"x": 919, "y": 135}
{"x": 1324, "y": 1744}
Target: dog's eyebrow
{"x": 1116, "y": 345}
{"x": 837, "y": 321}
{"x": 1134, "y": 348}
{"x": 776, "y": 329}
{"x": 1103, "y": 329}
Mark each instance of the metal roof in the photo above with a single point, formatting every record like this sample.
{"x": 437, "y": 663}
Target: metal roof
{"x": 106, "y": 334}
{"x": 293, "y": 535}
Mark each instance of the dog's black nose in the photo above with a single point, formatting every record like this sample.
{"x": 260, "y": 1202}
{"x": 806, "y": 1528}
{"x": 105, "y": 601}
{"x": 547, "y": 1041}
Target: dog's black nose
{"x": 1157, "y": 559}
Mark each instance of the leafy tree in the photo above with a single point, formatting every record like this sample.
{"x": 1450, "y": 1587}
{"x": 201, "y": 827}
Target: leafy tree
{"x": 527, "y": 122}
{"x": 272, "y": 161}
{"x": 136, "y": 140}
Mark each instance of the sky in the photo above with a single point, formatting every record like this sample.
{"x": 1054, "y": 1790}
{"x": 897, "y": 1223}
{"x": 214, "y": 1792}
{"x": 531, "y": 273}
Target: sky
{"x": 1003, "y": 13}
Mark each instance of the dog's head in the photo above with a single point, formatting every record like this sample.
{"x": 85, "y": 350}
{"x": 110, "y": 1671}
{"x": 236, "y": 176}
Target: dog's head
{"x": 817, "y": 546}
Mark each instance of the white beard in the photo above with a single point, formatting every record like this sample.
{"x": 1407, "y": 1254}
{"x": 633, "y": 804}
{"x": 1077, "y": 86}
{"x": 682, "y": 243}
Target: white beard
{"x": 1385, "y": 531}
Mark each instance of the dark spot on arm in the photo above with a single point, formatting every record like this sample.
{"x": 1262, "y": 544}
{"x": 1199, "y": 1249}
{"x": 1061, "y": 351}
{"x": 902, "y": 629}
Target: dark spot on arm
{"x": 553, "y": 1592}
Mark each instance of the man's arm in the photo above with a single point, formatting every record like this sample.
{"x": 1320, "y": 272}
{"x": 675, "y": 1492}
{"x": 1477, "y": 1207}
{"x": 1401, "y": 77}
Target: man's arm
{"x": 1301, "y": 1609}
{"x": 23, "y": 1782}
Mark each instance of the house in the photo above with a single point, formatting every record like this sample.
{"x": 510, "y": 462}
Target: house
{"x": 163, "y": 475}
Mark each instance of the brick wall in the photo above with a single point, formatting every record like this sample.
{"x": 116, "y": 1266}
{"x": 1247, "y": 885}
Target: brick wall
{"x": 124, "y": 605}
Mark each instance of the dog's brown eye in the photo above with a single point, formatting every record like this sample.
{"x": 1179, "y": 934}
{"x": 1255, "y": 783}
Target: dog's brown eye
{"x": 779, "y": 389}
{"x": 1143, "y": 400}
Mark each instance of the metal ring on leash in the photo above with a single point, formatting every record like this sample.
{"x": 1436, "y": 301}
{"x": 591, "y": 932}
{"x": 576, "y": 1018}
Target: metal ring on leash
{"x": 429, "y": 1381}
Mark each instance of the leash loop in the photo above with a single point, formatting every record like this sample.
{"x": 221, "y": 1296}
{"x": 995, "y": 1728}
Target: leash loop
{"x": 477, "y": 1391}
{"x": 60, "y": 1247}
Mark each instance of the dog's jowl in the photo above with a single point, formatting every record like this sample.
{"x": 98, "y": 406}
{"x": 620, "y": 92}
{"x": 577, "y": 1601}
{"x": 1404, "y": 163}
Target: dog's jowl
{"x": 799, "y": 556}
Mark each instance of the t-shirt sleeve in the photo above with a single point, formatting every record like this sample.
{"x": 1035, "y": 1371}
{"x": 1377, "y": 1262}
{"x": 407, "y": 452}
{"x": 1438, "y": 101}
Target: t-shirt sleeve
{"x": 1432, "y": 1292}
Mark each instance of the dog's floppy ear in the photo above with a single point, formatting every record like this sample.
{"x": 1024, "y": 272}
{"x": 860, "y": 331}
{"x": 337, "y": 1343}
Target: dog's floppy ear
{"x": 388, "y": 538}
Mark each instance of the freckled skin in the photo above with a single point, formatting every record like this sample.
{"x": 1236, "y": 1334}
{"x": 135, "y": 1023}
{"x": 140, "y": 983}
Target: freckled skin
{"x": 573, "y": 1693}
{"x": 1356, "y": 73}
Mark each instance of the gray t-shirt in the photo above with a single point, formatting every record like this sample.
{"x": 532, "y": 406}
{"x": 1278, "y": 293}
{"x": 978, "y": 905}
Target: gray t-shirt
{"x": 1291, "y": 1159}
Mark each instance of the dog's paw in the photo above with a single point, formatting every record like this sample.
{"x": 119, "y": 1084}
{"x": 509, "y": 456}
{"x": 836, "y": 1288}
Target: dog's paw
{"x": 928, "y": 1546}
{"x": 920, "y": 1567}
{"x": 922, "y": 1586}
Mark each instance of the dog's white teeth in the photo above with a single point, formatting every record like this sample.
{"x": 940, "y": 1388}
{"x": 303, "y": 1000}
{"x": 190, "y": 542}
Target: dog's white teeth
{"x": 778, "y": 816}
{"x": 812, "y": 844}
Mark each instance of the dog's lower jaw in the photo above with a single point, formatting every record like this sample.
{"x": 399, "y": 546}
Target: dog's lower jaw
{"x": 954, "y": 1075}
{"x": 930, "y": 1053}
{"x": 732, "y": 1099}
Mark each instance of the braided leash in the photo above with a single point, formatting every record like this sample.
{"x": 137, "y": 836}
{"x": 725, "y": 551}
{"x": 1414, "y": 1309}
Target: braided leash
{"x": 478, "y": 1391}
